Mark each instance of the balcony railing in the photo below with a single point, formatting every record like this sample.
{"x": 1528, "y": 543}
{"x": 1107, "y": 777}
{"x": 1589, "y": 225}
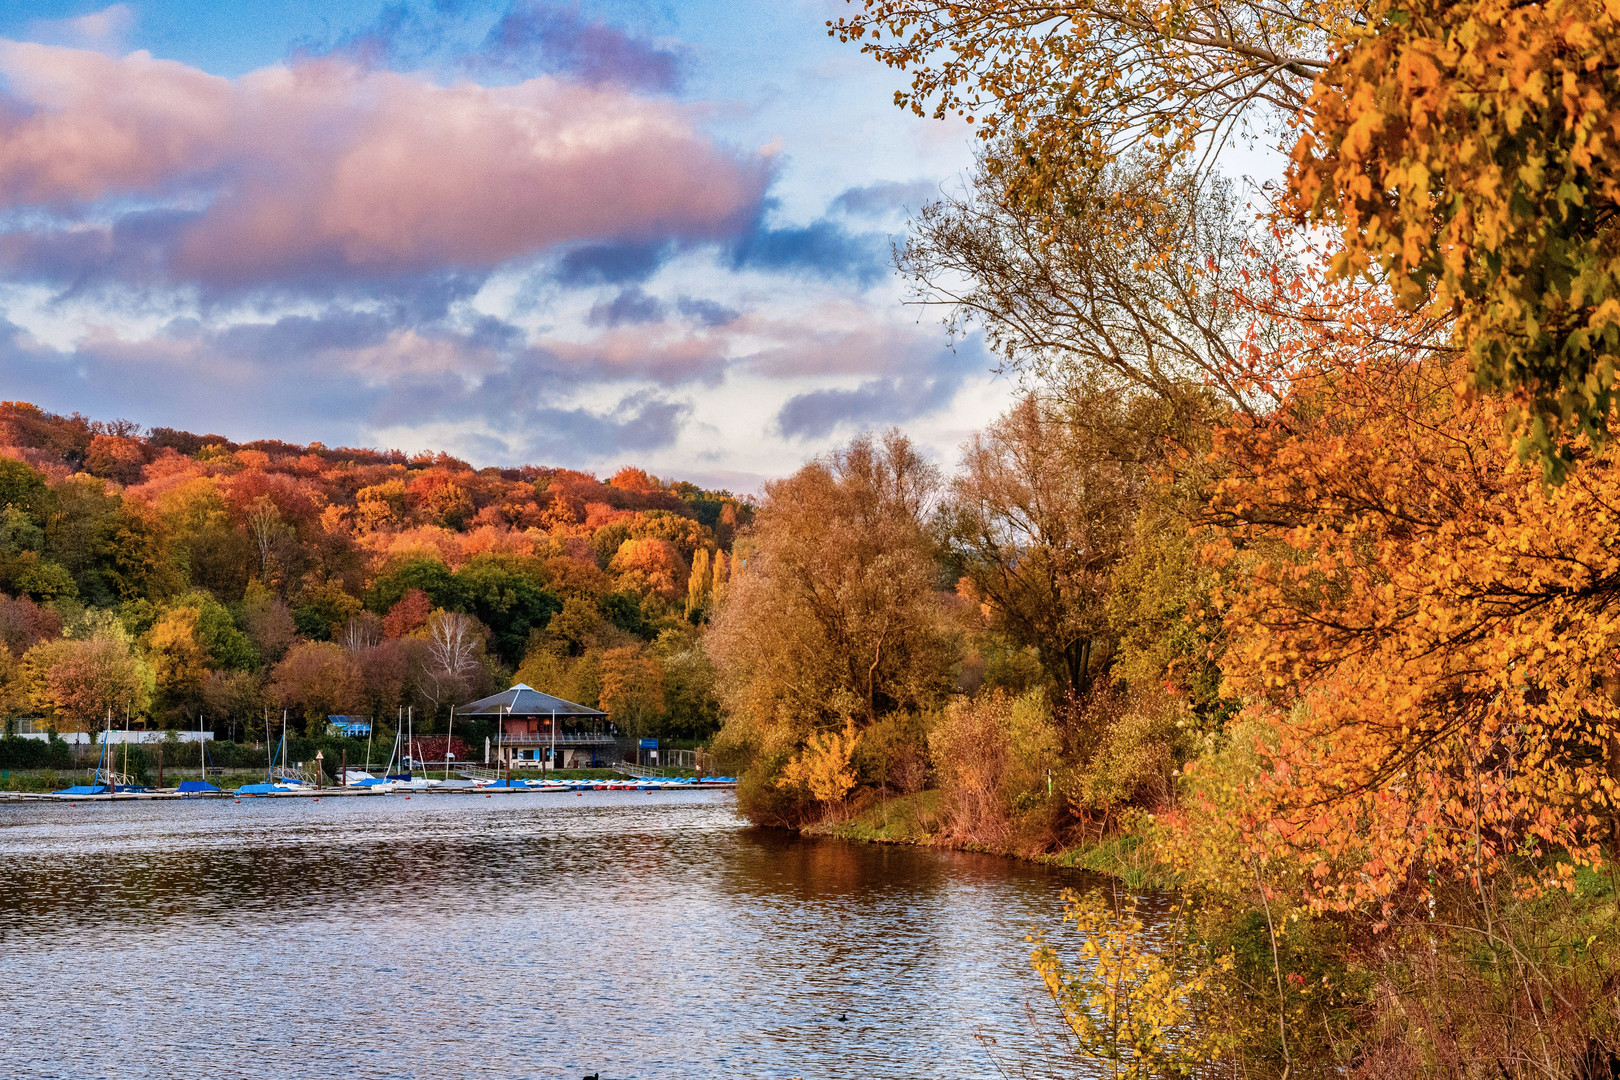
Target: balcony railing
{"x": 564, "y": 738}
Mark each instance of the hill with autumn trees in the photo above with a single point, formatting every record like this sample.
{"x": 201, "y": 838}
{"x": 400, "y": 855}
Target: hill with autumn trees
{"x": 183, "y": 576}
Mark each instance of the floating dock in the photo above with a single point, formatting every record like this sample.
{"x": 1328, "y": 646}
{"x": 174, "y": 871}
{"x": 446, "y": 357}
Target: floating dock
{"x": 517, "y": 787}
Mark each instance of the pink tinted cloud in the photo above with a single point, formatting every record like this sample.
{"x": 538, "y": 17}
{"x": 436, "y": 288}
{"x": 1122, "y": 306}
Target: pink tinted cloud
{"x": 326, "y": 167}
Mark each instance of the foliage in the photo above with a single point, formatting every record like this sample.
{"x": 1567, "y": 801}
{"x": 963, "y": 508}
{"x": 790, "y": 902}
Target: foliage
{"x": 1465, "y": 151}
{"x": 824, "y": 766}
{"x": 219, "y": 561}
{"x": 1078, "y": 82}
{"x": 992, "y": 757}
{"x": 834, "y": 612}
{"x": 78, "y": 683}
{"x": 1425, "y": 628}
{"x": 1137, "y": 1001}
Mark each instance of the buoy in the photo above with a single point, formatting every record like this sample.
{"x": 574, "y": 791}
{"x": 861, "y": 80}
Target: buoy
{"x": 407, "y": 798}
{"x": 486, "y": 795}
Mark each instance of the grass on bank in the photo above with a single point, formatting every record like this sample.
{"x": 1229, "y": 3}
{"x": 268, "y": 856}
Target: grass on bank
{"x": 920, "y": 819}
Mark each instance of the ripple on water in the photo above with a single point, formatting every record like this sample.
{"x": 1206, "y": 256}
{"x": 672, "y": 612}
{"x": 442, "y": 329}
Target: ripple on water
{"x": 530, "y": 936}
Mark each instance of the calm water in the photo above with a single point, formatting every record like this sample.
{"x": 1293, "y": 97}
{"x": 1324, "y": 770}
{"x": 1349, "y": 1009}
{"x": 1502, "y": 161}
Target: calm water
{"x": 631, "y": 934}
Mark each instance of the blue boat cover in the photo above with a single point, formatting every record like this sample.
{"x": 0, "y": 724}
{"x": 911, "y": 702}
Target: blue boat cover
{"x": 187, "y": 787}
{"x": 83, "y": 789}
{"x": 259, "y": 789}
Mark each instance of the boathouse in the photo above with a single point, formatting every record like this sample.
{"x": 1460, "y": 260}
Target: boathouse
{"x": 539, "y": 731}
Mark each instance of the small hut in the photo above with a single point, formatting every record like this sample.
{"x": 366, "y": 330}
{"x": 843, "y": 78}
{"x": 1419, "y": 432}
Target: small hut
{"x": 539, "y": 731}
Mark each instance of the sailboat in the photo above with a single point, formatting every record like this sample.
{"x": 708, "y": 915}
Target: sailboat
{"x": 409, "y": 781}
{"x": 274, "y": 785}
{"x": 200, "y": 786}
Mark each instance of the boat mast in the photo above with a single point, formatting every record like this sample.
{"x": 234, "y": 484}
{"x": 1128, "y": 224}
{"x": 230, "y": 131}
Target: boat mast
{"x": 553, "y": 740}
{"x": 447, "y": 733}
{"x": 106, "y": 756}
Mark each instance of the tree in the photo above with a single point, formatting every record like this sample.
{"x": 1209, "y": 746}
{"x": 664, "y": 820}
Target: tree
{"x": 1038, "y": 517}
{"x": 317, "y": 679}
{"x": 1134, "y": 282}
{"x": 1480, "y": 181}
{"x": 268, "y": 622}
{"x": 509, "y": 598}
{"x": 266, "y": 528}
{"x": 649, "y": 566}
{"x": 836, "y": 612}
{"x": 1075, "y": 84}
{"x": 454, "y": 643}
{"x": 427, "y": 575}
{"x": 180, "y": 664}
{"x": 1424, "y": 631}
{"x": 216, "y": 555}
{"x": 24, "y": 487}
{"x": 77, "y": 683}
{"x": 632, "y": 689}
{"x": 232, "y": 699}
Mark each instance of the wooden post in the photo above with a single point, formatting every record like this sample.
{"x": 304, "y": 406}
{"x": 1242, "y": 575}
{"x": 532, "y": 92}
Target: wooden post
{"x": 160, "y": 763}
{"x": 343, "y": 774}
{"x": 320, "y": 771}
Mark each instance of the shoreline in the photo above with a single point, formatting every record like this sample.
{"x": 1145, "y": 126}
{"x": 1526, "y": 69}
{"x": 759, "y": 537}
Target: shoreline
{"x": 914, "y": 820}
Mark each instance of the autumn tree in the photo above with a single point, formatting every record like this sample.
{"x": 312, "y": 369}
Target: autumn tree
{"x": 1465, "y": 152}
{"x": 1425, "y": 629}
{"x": 1037, "y": 518}
{"x": 317, "y": 679}
{"x": 453, "y": 649}
{"x": 836, "y": 612}
{"x": 632, "y": 688}
{"x": 1078, "y": 81}
{"x": 1134, "y": 282}
{"x": 78, "y": 683}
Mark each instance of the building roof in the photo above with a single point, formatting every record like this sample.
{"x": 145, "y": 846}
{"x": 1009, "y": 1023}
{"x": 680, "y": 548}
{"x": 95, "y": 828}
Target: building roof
{"x": 525, "y": 700}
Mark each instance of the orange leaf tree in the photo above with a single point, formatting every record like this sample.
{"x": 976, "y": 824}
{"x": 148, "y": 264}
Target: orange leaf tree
{"x": 1467, "y": 151}
{"x": 1429, "y": 632}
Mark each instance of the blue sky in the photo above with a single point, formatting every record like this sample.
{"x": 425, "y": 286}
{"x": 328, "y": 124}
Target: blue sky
{"x": 586, "y": 234}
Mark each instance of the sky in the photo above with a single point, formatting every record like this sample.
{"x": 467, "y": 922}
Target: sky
{"x": 524, "y": 231}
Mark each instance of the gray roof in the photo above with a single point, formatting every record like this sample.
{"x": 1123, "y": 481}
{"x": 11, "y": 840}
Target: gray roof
{"x": 525, "y": 700}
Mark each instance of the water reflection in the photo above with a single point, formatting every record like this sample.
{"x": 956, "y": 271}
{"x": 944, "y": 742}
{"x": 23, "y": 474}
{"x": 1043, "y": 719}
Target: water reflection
{"x": 638, "y": 936}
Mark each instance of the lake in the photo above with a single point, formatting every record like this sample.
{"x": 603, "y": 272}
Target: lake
{"x": 628, "y": 934}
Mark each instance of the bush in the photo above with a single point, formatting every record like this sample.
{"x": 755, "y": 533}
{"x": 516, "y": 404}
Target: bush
{"x": 992, "y": 756}
{"x": 762, "y": 799}
{"x": 20, "y": 753}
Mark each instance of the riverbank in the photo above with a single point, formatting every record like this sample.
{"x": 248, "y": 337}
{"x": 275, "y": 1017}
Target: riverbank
{"x": 919, "y": 820}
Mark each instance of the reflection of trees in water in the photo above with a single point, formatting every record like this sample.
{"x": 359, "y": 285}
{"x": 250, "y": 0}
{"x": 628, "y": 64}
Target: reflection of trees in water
{"x": 303, "y": 872}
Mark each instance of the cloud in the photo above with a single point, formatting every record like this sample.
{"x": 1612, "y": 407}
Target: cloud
{"x": 324, "y": 169}
{"x": 611, "y": 264}
{"x": 629, "y": 306}
{"x": 104, "y": 30}
{"x": 706, "y": 312}
{"x": 876, "y": 402}
{"x": 881, "y": 199}
{"x": 822, "y": 248}
{"x": 534, "y": 36}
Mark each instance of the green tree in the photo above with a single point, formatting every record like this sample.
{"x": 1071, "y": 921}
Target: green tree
{"x": 508, "y": 597}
